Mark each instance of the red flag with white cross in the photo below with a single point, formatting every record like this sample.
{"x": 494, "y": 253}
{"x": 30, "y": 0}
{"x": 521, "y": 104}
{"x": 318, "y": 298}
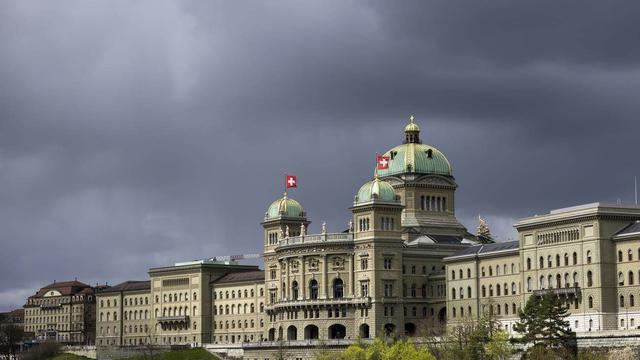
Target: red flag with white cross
{"x": 290, "y": 181}
{"x": 382, "y": 161}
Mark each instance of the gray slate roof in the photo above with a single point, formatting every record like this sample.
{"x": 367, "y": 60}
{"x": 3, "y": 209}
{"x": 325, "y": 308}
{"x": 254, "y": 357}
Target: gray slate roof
{"x": 487, "y": 248}
{"x": 241, "y": 276}
{"x": 130, "y": 285}
{"x": 632, "y": 228}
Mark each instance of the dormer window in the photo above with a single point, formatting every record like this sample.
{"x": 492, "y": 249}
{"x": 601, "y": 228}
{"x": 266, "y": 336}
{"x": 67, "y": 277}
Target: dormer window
{"x": 429, "y": 153}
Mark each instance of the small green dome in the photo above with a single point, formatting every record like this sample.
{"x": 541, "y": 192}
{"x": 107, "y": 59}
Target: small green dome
{"x": 376, "y": 189}
{"x": 285, "y": 207}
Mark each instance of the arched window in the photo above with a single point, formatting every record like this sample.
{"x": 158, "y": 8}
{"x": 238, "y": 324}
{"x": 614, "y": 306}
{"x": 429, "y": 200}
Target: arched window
{"x": 490, "y": 271}
{"x": 621, "y": 301}
{"x": 469, "y": 291}
{"x": 528, "y": 263}
{"x": 542, "y": 282}
{"x": 294, "y": 290}
{"x": 589, "y": 278}
{"x": 566, "y": 259}
{"x": 549, "y": 262}
{"x": 498, "y": 290}
{"x": 629, "y": 255}
{"x": 313, "y": 289}
{"x": 632, "y": 301}
{"x": 557, "y": 259}
{"x": 590, "y": 302}
{"x": 631, "y": 280}
{"x": 529, "y": 284}
{"x": 620, "y": 278}
{"x": 468, "y": 273}
{"x": 484, "y": 291}
{"x": 619, "y": 255}
{"x": 453, "y": 294}
{"x": 541, "y": 265}
{"x": 588, "y": 256}
{"x": 575, "y": 258}
{"x": 513, "y": 288}
{"x": 338, "y": 288}
{"x": 558, "y": 281}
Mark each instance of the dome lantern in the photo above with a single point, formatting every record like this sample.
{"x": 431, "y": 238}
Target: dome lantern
{"x": 412, "y": 132}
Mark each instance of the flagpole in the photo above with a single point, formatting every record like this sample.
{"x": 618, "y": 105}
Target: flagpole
{"x": 635, "y": 186}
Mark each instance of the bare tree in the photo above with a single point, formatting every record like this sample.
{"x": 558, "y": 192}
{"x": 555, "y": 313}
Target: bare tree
{"x": 11, "y": 337}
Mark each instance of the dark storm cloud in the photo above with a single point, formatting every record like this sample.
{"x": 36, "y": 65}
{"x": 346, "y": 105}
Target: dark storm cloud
{"x": 139, "y": 134}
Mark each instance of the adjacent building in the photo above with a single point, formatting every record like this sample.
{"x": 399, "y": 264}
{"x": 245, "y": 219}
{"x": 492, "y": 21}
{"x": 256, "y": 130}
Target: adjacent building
{"x": 62, "y": 311}
{"x": 589, "y": 255}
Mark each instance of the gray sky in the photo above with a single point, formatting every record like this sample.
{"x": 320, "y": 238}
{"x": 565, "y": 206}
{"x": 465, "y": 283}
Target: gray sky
{"x": 137, "y": 134}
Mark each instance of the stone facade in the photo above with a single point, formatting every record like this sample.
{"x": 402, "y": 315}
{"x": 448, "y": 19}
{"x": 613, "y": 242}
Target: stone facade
{"x": 62, "y": 311}
{"x": 589, "y": 255}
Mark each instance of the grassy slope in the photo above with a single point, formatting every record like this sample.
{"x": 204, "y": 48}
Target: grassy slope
{"x": 189, "y": 354}
{"x": 66, "y": 356}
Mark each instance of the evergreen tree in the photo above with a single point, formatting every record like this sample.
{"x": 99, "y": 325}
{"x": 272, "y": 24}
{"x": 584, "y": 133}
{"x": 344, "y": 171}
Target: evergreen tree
{"x": 542, "y": 322}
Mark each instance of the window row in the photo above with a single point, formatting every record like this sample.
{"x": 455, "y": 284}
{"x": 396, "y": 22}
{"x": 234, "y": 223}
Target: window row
{"x": 541, "y": 262}
{"x": 241, "y": 309}
{"x": 504, "y": 267}
{"x": 176, "y": 297}
{"x": 387, "y": 223}
{"x": 629, "y": 255}
{"x": 433, "y": 203}
{"x": 364, "y": 224}
{"x": 247, "y": 293}
{"x": 232, "y": 324}
{"x": 499, "y": 290}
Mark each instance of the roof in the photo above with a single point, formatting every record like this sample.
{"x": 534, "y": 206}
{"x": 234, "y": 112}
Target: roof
{"x": 64, "y": 287}
{"x": 633, "y": 228}
{"x": 130, "y": 285}
{"x": 436, "y": 239}
{"x": 241, "y": 276}
{"x": 486, "y": 249}
{"x": 285, "y": 206}
{"x": 620, "y": 211}
{"x": 376, "y": 189}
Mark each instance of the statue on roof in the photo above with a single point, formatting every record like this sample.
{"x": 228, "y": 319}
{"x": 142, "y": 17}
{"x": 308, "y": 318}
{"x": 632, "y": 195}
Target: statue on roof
{"x": 483, "y": 234}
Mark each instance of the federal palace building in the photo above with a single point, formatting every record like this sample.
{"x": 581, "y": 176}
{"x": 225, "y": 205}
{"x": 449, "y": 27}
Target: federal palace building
{"x": 403, "y": 265}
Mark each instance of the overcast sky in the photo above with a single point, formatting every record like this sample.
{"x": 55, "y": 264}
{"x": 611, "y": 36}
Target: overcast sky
{"x": 138, "y": 134}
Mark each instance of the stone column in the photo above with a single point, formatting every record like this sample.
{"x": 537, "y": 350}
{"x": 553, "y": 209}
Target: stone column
{"x": 302, "y": 287}
{"x": 351, "y": 277}
{"x": 324, "y": 277}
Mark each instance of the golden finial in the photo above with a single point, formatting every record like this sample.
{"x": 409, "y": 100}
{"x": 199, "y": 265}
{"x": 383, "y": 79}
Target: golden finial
{"x": 411, "y": 118}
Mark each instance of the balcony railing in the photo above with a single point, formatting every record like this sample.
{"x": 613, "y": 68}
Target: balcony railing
{"x": 316, "y": 238}
{"x": 184, "y": 318}
{"x": 566, "y": 291}
{"x": 361, "y": 301}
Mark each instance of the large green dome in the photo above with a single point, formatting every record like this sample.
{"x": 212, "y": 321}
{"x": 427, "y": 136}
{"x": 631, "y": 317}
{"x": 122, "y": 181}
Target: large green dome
{"x": 376, "y": 189}
{"x": 286, "y": 207}
{"x": 415, "y": 157}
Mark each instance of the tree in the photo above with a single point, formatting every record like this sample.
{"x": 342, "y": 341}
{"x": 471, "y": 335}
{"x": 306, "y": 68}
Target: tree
{"x": 498, "y": 347}
{"x": 542, "y": 323}
{"x": 354, "y": 352}
{"x": 11, "y": 336}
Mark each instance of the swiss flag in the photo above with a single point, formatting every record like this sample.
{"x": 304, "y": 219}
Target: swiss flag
{"x": 290, "y": 181}
{"x": 382, "y": 161}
